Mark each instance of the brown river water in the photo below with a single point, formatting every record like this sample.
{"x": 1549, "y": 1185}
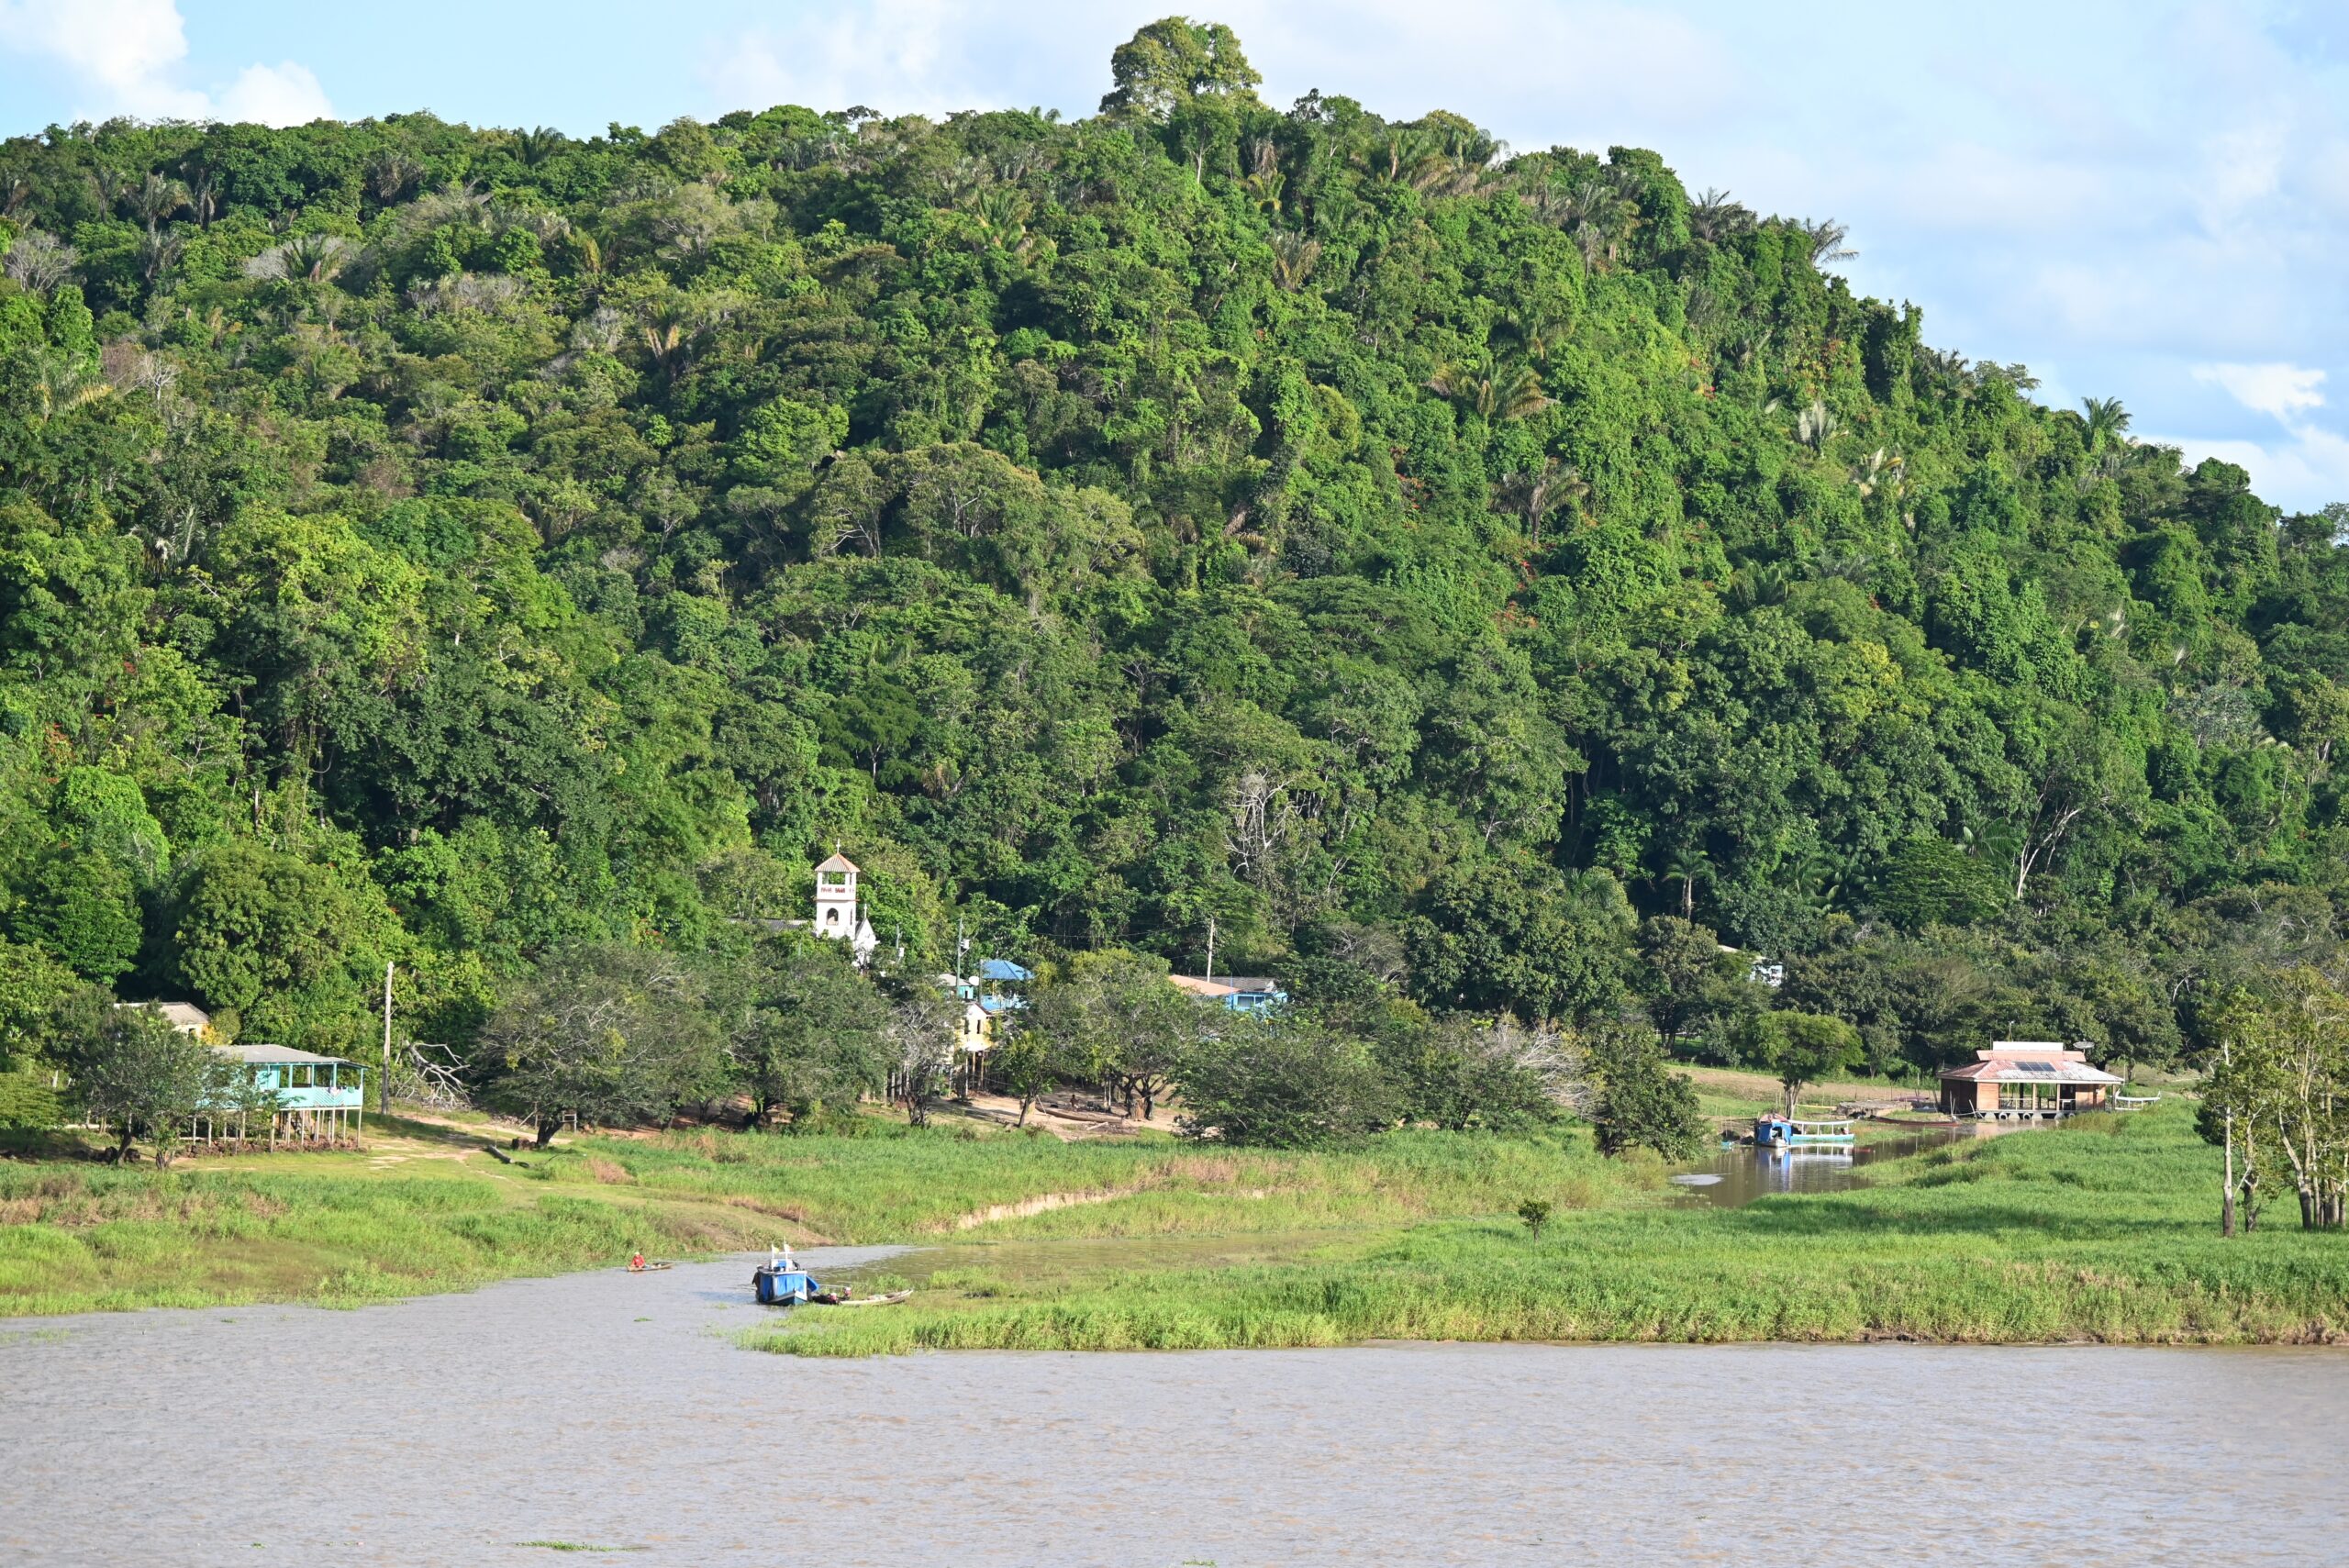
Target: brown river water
{"x": 611, "y": 1411}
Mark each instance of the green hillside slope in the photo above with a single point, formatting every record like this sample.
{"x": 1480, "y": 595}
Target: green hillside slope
{"x": 439, "y": 545}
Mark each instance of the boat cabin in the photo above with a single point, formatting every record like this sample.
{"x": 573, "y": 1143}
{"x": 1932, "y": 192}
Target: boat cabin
{"x": 2026, "y": 1080}
{"x": 1775, "y": 1132}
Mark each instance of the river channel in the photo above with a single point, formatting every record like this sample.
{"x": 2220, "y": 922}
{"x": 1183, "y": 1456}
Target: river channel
{"x": 609, "y": 1411}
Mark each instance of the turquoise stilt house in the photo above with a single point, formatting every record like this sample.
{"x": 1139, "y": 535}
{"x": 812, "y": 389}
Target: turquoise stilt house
{"x": 307, "y": 1098}
{"x": 318, "y": 1098}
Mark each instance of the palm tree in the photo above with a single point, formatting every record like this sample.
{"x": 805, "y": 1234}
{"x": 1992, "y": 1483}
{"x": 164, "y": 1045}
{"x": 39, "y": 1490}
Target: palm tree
{"x": 1497, "y": 392}
{"x": 1293, "y": 259}
{"x": 535, "y": 147}
{"x": 158, "y": 251}
{"x": 453, "y": 203}
{"x": 2108, "y": 422}
{"x": 156, "y": 199}
{"x": 1263, "y": 181}
{"x": 1820, "y": 878}
{"x": 1537, "y": 333}
{"x": 62, "y": 382}
{"x": 1001, "y": 212}
{"x": 1713, "y": 217}
{"x": 1599, "y": 219}
{"x": 1534, "y": 495}
{"x": 1687, "y": 867}
{"x": 109, "y": 183}
{"x": 203, "y": 191}
{"x": 1998, "y": 842}
{"x": 1760, "y": 583}
{"x": 1889, "y": 471}
{"x": 1401, "y": 152}
{"x": 1826, "y": 238}
{"x": 1817, "y": 424}
{"x": 668, "y": 332}
{"x": 391, "y": 174}
{"x": 305, "y": 258}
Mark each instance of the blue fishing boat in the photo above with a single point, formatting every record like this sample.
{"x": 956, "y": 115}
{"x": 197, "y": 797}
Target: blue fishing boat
{"x": 785, "y": 1284}
{"x": 1775, "y": 1132}
{"x": 781, "y": 1282}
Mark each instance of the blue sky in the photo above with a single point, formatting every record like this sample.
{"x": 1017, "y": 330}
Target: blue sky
{"x": 2142, "y": 200}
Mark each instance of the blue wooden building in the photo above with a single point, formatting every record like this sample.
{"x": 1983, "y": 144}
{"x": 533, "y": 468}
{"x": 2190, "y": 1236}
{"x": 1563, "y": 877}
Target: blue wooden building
{"x": 318, "y": 1099}
{"x": 1238, "y": 993}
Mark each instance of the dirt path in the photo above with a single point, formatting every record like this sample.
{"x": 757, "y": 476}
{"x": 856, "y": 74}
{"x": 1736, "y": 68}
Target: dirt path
{"x": 1042, "y": 1203}
{"x": 1067, "y": 1125}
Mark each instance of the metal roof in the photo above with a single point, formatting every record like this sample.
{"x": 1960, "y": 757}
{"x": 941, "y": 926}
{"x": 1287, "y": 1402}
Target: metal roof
{"x": 2035, "y": 1050}
{"x": 251, "y": 1054}
{"x": 185, "y": 1016}
{"x": 837, "y": 862}
{"x": 1225, "y": 986}
{"x": 2017, "y": 1070}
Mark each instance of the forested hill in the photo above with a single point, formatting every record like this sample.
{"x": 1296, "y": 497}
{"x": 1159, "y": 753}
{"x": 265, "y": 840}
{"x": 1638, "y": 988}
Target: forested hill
{"x": 1426, "y": 560}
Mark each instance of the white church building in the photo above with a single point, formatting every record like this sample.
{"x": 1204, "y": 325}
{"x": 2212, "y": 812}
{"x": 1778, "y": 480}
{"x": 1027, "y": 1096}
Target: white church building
{"x": 840, "y": 912}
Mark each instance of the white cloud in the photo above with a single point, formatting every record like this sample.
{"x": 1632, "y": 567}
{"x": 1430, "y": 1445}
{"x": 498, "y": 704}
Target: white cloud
{"x": 130, "y": 56}
{"x": 122, "y": 46}
{"x": 900, "y": 56}
{"x": 2306, "y": 470}
{"x": 284, "y": 94}
{"x": 2303, "y": 467}
{"x": 2279, "y": 390}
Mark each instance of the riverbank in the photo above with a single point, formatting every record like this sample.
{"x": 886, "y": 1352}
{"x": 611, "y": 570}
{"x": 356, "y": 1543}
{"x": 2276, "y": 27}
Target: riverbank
{"x": 2101, "y": 1230}
{"x": 428, "y": 1208}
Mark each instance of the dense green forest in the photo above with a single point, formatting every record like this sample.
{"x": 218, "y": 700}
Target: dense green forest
{"x": 1437, "y": 565}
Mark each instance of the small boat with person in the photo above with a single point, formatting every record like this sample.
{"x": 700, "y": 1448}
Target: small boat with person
{"x": 1776, "y": 1131}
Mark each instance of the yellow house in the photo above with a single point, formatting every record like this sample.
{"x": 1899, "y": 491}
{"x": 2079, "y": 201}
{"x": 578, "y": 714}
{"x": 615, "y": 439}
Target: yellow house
{"x": 975, "y": 1031}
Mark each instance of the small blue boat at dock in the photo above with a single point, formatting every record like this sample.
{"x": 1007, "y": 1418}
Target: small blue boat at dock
{"x": 1775, "y": 1132}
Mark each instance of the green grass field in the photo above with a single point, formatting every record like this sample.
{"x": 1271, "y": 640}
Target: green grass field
{"x": 2102, "y": 1230}
{"x": 427, "y": 1209}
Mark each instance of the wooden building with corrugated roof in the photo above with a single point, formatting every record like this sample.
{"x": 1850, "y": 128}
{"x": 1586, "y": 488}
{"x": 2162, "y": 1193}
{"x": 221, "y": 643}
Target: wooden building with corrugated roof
{"x": 2025, "y": 1080}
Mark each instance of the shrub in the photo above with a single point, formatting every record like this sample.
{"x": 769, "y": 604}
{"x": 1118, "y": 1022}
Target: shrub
{"x": 1283, "y": 1083}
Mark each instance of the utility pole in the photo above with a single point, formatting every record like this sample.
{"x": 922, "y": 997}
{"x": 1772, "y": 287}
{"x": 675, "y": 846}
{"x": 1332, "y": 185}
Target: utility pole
{"x": 383, "y": 1089}
{"x": 1210, "y": 973}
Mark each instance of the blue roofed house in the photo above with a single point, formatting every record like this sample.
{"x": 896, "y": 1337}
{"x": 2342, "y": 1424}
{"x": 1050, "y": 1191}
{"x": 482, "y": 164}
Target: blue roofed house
{"x": 983, "y": 1001}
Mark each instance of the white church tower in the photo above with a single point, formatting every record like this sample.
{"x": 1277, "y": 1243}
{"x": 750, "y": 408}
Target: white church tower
{"x": 839, "y": 912}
